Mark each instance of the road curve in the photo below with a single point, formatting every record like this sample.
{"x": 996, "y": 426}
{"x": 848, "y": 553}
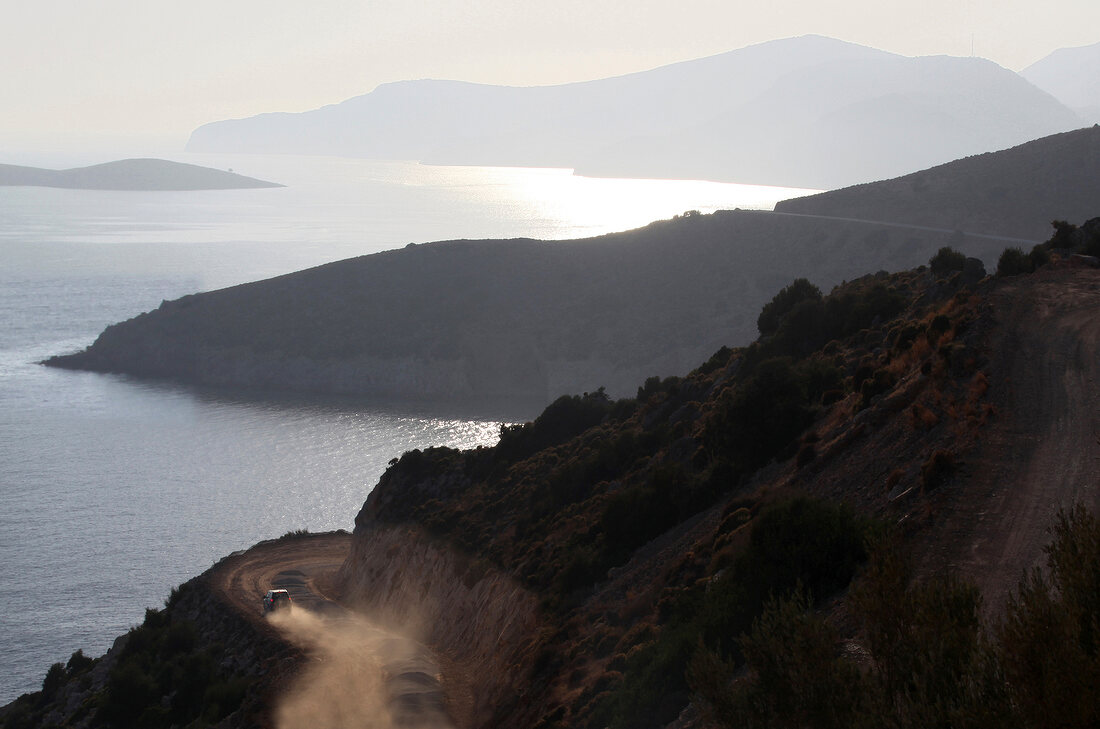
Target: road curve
{"x": 358, "y": 675}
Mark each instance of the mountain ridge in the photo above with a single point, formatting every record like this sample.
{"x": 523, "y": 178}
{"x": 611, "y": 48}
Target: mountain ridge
{"x": 706, "y": 118}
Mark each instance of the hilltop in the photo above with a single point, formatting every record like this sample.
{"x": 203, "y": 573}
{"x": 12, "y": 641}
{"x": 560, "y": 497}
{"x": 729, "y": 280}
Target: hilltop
{"x": 801, "y": 112}
{"x": 1015, "y": 192}
{"x": 131, "y": 174}
{"x": 596, "y": 567}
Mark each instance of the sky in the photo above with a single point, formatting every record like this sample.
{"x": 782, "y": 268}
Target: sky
{"x": 75, "y": 72}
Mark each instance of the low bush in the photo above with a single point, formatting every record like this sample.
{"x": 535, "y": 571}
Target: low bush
{"x": 946, "y": 261}
{"x": 933, "y": 661}
{"x": 1013, "y": 262}
{"x": 800, "y": 290}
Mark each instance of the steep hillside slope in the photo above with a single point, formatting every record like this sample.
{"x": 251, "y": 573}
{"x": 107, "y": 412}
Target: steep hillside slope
{"x": 131, "y": 174}
{"x": 652, "y": 526}
{"x": 803, "y": 112}
{"x": 1015, "y": 192}
{"x": 509, "y": 319}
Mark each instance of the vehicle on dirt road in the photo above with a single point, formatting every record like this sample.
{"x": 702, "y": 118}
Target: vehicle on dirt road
{"x": 276, "y": 600}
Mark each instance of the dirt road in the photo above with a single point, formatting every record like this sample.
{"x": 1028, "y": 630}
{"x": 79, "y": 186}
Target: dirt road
{"x": 1042, "y": 452}
{"x": 357, "y": 675}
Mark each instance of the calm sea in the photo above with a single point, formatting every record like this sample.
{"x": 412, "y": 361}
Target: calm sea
{"x": 113, "y": 490}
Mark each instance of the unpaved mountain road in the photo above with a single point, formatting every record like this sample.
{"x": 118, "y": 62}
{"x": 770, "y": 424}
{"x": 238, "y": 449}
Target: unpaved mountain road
{"x": 303, "y": 565}
{"x": 357, "y": 675}
{"x": 1041, "y": 453}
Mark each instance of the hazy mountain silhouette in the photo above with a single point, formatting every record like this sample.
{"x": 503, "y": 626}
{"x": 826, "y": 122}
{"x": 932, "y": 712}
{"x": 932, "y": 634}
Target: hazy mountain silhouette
{"x": 1071, "y": 75}
{"x": 1014, "y": 192}
{"x": 131, "y": 174}
{"x": 808, "y": 111}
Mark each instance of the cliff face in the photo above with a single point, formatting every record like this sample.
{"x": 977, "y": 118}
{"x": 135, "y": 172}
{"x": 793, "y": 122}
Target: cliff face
{"x": 479, "y": 619}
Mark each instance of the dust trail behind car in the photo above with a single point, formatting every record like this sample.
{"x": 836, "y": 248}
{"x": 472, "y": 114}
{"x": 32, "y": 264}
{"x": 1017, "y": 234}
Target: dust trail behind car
{"x": 358, "y": 676}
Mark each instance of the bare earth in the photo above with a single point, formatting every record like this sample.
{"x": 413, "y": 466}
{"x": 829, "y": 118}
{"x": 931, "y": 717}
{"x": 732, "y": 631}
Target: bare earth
{"x": 1041, "y": 453}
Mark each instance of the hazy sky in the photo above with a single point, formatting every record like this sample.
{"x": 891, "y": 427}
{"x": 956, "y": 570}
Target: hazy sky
{"x": 71, "y": 69}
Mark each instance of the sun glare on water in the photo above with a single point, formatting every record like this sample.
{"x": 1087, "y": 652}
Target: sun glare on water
{"x": 574, "y": 206}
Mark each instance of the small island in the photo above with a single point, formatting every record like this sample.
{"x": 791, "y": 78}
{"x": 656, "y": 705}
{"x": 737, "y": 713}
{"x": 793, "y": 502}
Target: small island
{"x": 131, "y": 174}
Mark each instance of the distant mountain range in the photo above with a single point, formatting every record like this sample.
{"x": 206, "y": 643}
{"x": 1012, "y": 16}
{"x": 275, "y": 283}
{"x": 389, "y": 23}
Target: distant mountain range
{"x": 808, "y": 111}
{"x": 1071, "y": 75}
{"x": 131, "y": 174}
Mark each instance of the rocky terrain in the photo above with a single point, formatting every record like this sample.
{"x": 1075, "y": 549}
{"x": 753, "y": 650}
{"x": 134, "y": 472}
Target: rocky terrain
{"x": 131, "y": 174}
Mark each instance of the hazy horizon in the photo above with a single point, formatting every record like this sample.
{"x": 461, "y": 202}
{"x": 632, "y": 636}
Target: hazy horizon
{"x": 139, "y": 77}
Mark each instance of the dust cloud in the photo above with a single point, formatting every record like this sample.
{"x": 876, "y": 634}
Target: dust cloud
{"x": 357, "y": 675}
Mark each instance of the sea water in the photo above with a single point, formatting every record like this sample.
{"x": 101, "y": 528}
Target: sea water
{"x": 113, "y": 490}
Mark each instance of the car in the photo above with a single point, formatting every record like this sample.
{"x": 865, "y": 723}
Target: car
{"x": 277, "y": 600}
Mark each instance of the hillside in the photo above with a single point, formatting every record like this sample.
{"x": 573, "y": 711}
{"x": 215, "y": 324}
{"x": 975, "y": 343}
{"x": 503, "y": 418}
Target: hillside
{"x": 1013, "y": 192}
{"x": 1071, "y": 75}
{"x": 517, "y": 319}
{"x": 131, "y": 174}
{"x": 595, "y": 568}
{"x": 651, "y": 527}
{"x": 802, "y": 112}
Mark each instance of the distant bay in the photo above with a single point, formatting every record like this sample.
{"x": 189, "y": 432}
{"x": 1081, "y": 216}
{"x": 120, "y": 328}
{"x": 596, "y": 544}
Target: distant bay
{"x": 113, "y": 490}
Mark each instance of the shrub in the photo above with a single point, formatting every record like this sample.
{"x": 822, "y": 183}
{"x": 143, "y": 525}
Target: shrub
{"x": 1048, "y": 639}
{"x": 1038, "y": 257}
{"x": 563, "y": 419}
{"x": 760, "y": 419}
{"x": 1063, "y": 234}
{"x": 946, "y": 261}
{"x": 773, "y": 312}
{"x": 797, "y": 679}
{"x": 1013, "y": 261}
